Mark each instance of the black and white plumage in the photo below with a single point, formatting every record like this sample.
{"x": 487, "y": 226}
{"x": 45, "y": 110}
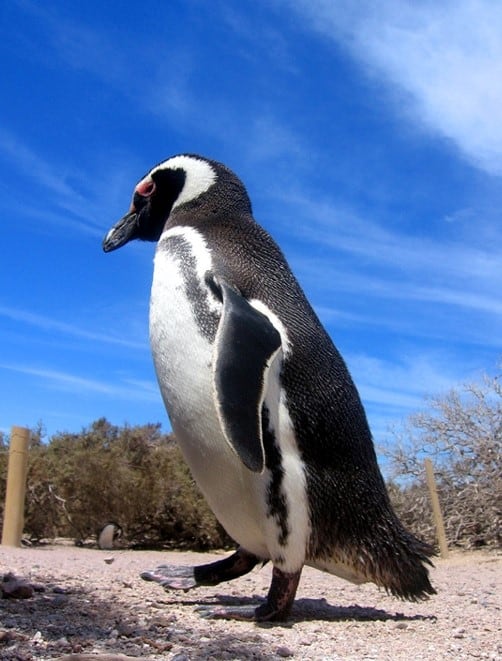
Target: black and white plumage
{"x": 260, "y": 400}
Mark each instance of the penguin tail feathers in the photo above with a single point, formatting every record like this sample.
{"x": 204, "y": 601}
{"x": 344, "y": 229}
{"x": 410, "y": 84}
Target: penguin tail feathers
{"x": 405, "y": 573}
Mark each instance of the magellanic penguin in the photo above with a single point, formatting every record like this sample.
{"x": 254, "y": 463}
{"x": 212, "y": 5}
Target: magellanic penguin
{"x": 260, "y": 401}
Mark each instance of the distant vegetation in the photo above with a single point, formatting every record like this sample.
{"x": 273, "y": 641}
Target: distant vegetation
{"x": 462, "y": 433}
{"x": 136, "y": 476}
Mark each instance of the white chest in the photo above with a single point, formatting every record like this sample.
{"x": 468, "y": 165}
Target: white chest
{"x": 183, "y": 320}
{"x": 184, "y": 316}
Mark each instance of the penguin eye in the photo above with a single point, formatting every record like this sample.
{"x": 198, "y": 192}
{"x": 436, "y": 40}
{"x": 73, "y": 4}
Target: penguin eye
{"x": 145, "y": 188}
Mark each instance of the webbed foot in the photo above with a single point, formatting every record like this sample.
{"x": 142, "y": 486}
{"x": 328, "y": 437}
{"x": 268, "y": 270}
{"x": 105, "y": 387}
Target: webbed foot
{"x": 186, "y": 577}
{"x": 174, "y": 577}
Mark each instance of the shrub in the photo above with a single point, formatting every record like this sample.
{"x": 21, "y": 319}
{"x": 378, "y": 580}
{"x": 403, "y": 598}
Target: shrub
{"x": 134, "y": 476}
{"x": 462, "y": 434}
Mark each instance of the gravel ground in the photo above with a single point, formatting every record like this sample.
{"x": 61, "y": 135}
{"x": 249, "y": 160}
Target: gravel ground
{"x": 92, "y": 604}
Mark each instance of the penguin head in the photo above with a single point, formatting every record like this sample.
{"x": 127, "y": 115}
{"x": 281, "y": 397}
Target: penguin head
{"x": 185, "y": 184}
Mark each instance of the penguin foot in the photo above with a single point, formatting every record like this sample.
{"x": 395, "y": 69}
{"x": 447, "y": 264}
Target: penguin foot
{"x": 186, "y": 577}
{"x": 174, "y": 577}
{"x": 280, "y": 598}
{"x": 246, "y": 613}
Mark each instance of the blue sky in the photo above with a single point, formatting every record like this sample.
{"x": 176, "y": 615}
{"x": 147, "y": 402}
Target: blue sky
{"x": 368, "y": 134}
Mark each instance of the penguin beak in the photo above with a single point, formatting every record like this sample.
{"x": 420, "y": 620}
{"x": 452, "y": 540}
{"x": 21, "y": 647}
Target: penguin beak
{"x": 122, "y": 232}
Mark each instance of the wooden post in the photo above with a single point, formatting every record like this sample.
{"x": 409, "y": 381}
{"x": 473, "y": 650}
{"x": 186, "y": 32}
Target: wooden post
{"x": 436, "y": 509}
{"x": 13, "y": 518}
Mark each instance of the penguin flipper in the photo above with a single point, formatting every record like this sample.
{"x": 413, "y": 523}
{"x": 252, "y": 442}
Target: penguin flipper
{"x": 246, "y": 343}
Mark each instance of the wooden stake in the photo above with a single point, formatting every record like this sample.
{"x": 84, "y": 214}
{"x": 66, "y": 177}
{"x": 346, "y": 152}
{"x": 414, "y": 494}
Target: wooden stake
{"x": 13, "y": 519}
{"x": 436, "y": 509}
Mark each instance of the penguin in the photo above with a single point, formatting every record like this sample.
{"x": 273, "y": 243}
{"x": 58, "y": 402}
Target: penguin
{"x": 108, "y": 536}
{"x": 261, "y": 402}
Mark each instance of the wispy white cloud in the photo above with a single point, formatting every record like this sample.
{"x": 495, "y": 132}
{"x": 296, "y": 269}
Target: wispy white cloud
{"x": 25, "y": 160}
{"x": 133, "y": 67}
{"x": 325, "y": 276}
{"x": 79, "y": 46}
{"x": 403, "y": 383}
{"x": 445, "y": 59}
{"x": 53, "y": 325}
{"x": 270, "y": 139}
{"x": 132, "y": 390}
{"x": 63, "y": 203}
{"x": 174, "y": 94}
{"x": 384, "y": 262}
{"x": 393, "y": 390}
{"x": 272, "y": 43}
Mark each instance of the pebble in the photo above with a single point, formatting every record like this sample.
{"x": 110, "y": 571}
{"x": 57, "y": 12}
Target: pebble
{"x": 163, "y": 620}
{"x": 284, "y": 651}
{"x": 126, "y": 629}
{"x": 7, "y": 636}
{"x": 15, "y": 588}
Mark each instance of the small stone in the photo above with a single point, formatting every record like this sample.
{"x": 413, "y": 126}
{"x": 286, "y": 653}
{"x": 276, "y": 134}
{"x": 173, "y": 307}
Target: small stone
{"x": 125, "y": 629}
{"x": 58, "y": 590}
{"x": 402, "y": 625}
{"x": 14, "y": 588}
{"x": 284, "y": 651}
{"x": 109, "y": 559}
{"x": 59, "y": 601}
{"x": 164, "y": 620}
{"x": 6, "y": 636}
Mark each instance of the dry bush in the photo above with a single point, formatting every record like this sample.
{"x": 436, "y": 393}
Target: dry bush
{"x": 134, "y": 476}
{"x": 462, "y": 434}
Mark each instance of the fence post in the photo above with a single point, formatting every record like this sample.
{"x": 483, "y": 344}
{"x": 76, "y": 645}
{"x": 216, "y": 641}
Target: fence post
{"x": 13, "y": 518}
{"x": 436, "y": 509}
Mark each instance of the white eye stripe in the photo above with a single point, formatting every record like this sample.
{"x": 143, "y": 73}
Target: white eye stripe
{"x": 200, "y": 176}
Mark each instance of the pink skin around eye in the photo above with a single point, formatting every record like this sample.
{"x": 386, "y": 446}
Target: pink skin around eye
{"x": 145, "y": 188}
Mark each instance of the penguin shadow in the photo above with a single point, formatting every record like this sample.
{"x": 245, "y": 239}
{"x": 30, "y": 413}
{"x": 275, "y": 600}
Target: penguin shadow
{"x": 320, "y": 609}
{"x": 308, "y": 610}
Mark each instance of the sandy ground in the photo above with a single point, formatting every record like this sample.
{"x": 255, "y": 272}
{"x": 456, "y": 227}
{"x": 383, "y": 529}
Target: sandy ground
{"x": 92, "y": 604}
